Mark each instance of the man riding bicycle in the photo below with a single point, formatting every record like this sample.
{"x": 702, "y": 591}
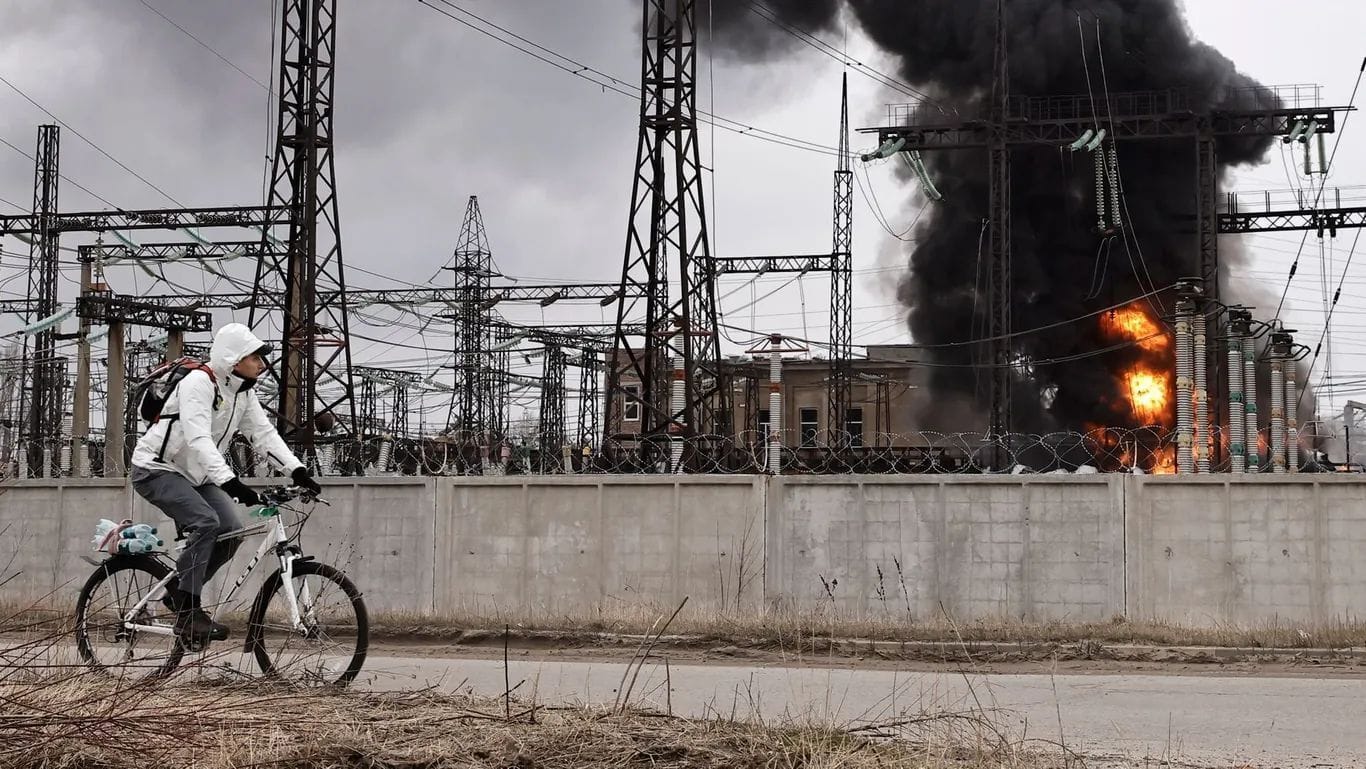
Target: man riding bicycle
{"x": 178, "y": 465}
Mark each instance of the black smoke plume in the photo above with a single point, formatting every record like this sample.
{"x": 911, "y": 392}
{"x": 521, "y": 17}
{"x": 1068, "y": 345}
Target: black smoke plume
{"x": 1063, "y": 267}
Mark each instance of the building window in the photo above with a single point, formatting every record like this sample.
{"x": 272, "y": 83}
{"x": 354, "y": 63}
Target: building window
{"x": 853, "y": 424}
{"x": 630, "y": 412}
{"x": 762, "y": 427}
{"x": 810, "y": 419}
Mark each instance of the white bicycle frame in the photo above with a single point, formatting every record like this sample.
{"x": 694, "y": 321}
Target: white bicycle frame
{"x": 287, "y": 559}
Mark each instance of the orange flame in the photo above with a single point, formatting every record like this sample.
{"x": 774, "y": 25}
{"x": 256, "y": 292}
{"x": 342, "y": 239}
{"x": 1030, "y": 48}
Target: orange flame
{"x": 1148, "y": 394}
{"x": 1148, "y": 384}
{"x": 1132, "y": 323}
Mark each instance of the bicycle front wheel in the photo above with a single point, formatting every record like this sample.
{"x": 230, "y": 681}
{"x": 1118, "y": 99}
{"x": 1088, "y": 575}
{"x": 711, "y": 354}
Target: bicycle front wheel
{"x": 327, "y": 646}
{"x": 144, "y": 648}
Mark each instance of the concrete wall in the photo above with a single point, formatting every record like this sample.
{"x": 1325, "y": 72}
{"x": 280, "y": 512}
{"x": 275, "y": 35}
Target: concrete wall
{"x": 1195, "y": 550}
{"x": 1251, "y": 550}
{"x": 566, "y": 545}
{"x": 1029, "y": 547}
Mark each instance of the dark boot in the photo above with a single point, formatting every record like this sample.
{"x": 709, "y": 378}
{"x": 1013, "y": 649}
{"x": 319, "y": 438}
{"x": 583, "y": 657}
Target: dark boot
{"x": 194, "y": 627}
{"x": 171, "y": 599}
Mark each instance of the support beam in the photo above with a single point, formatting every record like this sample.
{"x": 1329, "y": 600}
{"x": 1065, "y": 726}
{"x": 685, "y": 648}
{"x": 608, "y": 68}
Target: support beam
{"x": 603, "y": 293}
{"x": 148, "y": 219}
{"x": 114, "y": 449}
{"x": 108, "y": 308}
{"x": 1000, "y": 283}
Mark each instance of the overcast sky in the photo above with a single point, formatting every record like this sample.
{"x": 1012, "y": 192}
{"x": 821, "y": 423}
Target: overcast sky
{"x": 429, "y": 112}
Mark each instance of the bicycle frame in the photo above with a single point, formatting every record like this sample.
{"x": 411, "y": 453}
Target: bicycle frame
{"x": 286, "y": 555}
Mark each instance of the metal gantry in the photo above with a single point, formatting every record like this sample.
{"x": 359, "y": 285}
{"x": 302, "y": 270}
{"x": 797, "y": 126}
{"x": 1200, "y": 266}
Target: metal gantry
{"x": 43, "y": 395}
{"x": 668, "y": 230}
{"x": 305, "y": 286}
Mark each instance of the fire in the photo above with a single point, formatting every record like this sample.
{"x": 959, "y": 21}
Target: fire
{"x": 1148, "y": 383}
{"x": 1132, "y": 323}
{"x": 1148, "y": 394}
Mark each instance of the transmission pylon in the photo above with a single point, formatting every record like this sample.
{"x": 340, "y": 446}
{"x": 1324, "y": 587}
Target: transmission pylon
{"x": 668, "y": 227}
{"x": 305, "y": 282}
{"x": 473, "y": 267}
{"x": 552, "y": 426}
{"x": 841, "y": 282}
{"x": 44, "y": 407}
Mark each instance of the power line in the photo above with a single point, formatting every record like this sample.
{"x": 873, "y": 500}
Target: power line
{"x": 766, "y": 13}
{"x": 609, "y": 82}
{"x": 64, "y": 178}
{"x": 204, "y": 45}
{"x": 97, "y": 147}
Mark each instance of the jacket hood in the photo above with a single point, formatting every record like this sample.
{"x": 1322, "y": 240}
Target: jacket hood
{"x": 231, "y": 344}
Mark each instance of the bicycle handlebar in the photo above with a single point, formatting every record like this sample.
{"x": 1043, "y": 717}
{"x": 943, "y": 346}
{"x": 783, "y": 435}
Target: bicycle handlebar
{"x": 281, "y": 494}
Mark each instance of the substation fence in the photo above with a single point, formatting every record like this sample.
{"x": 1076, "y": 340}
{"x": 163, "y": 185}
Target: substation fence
{"x": 796, "y": 452}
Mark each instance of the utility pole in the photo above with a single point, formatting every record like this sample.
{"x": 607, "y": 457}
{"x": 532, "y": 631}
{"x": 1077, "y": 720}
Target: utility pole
{"x": 114, "y": 448}
{"x": 80, "y": 411}
{"x": 668, "y": 226}
{"x": 841, "y": 284}
{"x": 306, "y": 285}
{"x": 44, "y": 405}
{"x": 1000, "y": 283}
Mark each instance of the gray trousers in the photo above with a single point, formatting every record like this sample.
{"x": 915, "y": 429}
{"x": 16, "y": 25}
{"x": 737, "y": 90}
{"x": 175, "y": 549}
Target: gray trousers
{"x": 200, "y": 513}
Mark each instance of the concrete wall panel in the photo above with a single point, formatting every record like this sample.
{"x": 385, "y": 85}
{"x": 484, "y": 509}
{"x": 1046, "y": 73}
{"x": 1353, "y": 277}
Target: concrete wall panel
{"x": 562, "y": 545}
{"x": 1246, "y": 550}
{"x": 1041, "y": 547}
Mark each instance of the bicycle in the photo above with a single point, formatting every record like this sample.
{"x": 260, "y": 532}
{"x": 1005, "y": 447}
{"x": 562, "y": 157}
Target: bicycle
{"x": 110, "y": 634}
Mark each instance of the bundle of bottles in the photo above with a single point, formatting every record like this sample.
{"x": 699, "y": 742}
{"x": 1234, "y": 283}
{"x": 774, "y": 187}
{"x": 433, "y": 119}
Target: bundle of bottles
{"x": 125, "y": 537}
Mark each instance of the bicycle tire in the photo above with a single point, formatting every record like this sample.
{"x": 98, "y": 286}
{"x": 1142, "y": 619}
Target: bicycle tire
{"x": 87, "y": 635}
{"x": 256, "y": 630}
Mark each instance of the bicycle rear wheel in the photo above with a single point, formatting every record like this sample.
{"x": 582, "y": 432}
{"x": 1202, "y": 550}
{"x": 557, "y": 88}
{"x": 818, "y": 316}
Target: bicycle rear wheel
{"x": 329, "y": 649}
{"x": 102, "y": 639}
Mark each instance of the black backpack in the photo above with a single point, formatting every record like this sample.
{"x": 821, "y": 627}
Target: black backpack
{"x": 150, "y": 392}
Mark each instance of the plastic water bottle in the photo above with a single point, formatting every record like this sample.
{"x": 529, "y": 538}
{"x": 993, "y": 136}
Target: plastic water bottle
{"x": 135, "y": 547}
{"x": 139, "y": 531}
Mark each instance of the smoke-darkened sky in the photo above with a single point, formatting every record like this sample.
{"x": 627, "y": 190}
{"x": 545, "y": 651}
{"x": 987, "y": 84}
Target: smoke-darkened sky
{"x": 430, "y": 112}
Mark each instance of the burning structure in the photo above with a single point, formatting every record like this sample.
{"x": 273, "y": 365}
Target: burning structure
{"x": 1042, "y": 284}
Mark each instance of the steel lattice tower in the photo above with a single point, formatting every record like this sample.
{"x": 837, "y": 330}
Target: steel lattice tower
{"x": 999, "y": 271}
{"x": 44, "y": 407}
{"x": 473, "y": 266}
{"x": 668, "y": 226}
{"x": 552, "y": 426}
{"x": 589, "y": 394}
{"x": 841, "y": 282}
{"x": 306, "y": 284}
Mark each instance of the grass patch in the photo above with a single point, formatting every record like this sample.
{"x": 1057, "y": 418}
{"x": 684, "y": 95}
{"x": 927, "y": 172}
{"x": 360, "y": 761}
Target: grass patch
{"x": 800, "y": 629}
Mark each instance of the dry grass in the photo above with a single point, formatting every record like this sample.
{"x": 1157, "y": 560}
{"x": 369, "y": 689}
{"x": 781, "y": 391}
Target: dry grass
{"x": 92, "y": 723}
{"x": 816, "y": 629}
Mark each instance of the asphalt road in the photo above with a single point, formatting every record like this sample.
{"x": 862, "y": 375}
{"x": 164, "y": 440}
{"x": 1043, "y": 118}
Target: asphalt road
{"x": 1212, "y": 721}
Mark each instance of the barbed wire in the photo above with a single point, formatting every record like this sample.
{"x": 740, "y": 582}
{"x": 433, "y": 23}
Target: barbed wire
{"x": 1143, "y": 450}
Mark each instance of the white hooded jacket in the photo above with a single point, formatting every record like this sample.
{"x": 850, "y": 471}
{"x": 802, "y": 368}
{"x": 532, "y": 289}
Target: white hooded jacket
{"x": 191, "y": 435}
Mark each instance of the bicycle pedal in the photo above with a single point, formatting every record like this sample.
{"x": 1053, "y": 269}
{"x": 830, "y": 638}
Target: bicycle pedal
{"x": 194, "y": 645}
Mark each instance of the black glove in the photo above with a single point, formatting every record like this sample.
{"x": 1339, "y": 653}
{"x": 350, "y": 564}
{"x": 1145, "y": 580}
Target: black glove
{"x": 305, "y": 481}
{"x": 240, "y": 492}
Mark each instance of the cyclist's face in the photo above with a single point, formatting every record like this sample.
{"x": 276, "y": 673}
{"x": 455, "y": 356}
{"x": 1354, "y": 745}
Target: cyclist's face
{"x": 250, "y": 367}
